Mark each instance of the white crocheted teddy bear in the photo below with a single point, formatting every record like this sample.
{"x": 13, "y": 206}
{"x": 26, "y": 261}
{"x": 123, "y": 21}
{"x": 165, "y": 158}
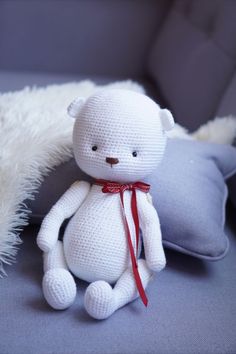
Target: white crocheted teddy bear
{"x": 118, "y": 139}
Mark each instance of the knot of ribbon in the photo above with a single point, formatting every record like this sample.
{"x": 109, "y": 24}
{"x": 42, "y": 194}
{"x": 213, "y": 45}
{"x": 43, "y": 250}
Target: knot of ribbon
{"x": 114, "y": 187}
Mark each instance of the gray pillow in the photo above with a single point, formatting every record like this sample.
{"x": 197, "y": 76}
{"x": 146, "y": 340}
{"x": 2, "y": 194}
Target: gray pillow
{"x": 232, "y": 189}
{"x": 188, "y": 190}
{"x": 189, "y": 193}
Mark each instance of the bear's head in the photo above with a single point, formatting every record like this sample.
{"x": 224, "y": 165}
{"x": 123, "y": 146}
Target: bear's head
{"x": 119, "y": 135}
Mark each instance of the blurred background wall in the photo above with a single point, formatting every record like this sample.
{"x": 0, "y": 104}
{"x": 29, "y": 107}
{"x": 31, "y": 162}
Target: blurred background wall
{"x": 93, "y": 37}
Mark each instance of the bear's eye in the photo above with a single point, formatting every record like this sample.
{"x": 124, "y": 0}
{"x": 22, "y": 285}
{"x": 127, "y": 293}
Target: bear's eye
{"x": 134, "y": 153}
{"x": 94, "y": 148}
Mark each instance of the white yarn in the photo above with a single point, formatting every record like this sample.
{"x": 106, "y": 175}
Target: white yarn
{"x": 59, "y": 288}
{"x": 101, "y": 301}
{"x": 117, "y": 122}
{"x": 35, "y": 136}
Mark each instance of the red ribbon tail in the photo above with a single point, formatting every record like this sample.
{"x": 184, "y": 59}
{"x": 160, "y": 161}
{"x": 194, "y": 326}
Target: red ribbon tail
{"x": 137, "y": 278}
{"x": 135, "y": 217}
{"x": 140, "y": 285}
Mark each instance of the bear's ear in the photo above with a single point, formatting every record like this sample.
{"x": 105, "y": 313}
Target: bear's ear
{"x": 75, "y": 107}
{"x": 167, "y": 120}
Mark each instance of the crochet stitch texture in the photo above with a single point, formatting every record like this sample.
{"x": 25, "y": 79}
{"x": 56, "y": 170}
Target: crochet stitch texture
{"x": 117, "y": 123}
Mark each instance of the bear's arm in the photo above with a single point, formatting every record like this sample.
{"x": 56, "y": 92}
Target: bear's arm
{"x": 151, "y": 231}
{"x": 64, "y": 208}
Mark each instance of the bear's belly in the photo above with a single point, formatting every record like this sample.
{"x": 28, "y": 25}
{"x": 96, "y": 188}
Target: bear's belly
{"x": 95, "y": 240}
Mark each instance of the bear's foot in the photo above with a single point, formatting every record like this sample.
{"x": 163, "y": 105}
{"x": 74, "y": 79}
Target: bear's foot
{"x": 99, "y": 300}
{"x": 59, "y": 288}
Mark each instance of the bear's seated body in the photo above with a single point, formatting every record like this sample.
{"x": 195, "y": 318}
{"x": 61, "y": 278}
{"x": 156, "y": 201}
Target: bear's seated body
{"x": 118, "y": 139}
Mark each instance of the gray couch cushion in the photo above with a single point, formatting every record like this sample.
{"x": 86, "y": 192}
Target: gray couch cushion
{"x": 188, "y": 191}
{"x": 227, "y": 104}
{"x": 232, "y": 187}
{"x": 191, "y": 311}
{"x": 193, "y": 58}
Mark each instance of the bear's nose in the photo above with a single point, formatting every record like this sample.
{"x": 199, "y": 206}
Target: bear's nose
{"x": 112, "y": 160}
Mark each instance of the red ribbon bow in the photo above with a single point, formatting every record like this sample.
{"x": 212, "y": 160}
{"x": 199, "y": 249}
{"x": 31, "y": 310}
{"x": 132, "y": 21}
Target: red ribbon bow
{"x": 114, "y": 187}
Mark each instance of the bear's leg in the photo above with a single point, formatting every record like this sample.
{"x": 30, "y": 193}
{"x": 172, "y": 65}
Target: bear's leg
{"x": 126, "y": 289}
{"x": 58, "y": 284}
{"x": 101, "y": 300}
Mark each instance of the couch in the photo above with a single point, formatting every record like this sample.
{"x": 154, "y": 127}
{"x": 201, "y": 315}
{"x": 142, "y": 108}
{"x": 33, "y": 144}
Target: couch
{"x": 184, "y": 54}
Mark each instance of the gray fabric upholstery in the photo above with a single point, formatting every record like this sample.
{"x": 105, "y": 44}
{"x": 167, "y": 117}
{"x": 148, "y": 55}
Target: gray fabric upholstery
{"x": 232, "y": 189}
{"x": 194, "y": 58}
{"x": 227, "y": 105}
{"x": 191, "y": 311}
